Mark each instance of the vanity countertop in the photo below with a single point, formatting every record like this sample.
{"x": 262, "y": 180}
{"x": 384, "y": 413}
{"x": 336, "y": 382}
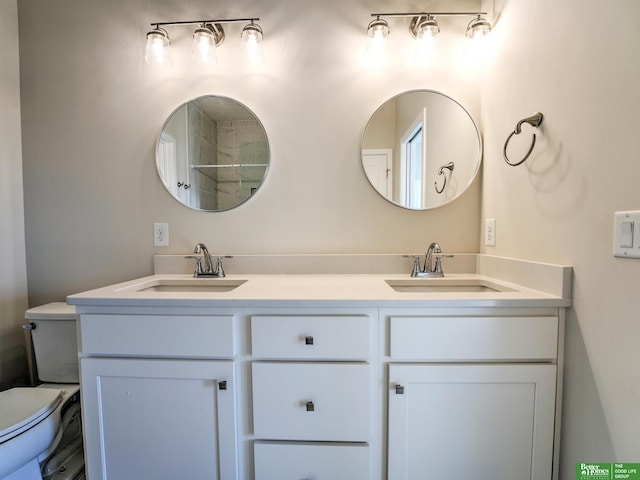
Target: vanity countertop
{"x": 300, "y": 290}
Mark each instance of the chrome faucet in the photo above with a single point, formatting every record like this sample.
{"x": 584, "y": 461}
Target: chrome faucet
{"x": 430, "y": 268}
{"x": 206, "y": 270}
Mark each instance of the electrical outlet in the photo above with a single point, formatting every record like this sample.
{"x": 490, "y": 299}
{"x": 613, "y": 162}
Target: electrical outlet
{"x": 490, "y": 232}
{"x": 161, "y": 234}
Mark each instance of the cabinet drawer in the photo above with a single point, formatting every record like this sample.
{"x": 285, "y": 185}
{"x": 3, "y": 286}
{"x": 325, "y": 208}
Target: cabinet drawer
{"x": 311, "y": 461}
{"x": 311, "y": 337}
{"x": 473, "y": 338}
{"x": 323, "y": 402}
{"x": 190, "y": 336}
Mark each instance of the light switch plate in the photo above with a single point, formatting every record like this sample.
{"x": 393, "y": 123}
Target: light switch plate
{"x": 626, "y": 234}
{"x": 490, "y": 232}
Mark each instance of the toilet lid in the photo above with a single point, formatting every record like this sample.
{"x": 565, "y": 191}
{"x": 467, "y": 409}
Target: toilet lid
{"x": 21, "y": 408}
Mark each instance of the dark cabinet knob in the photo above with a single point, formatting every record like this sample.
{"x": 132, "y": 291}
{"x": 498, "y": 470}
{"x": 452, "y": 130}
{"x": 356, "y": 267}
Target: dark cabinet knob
{"x": 399, "y": 390}
{"x": 308, "y": 340}
{"x": 310, "y": 407}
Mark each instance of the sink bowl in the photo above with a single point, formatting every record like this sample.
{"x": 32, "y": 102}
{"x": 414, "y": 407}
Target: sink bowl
{"x": 444, "y": 285}
{"x": 189, "y": 285}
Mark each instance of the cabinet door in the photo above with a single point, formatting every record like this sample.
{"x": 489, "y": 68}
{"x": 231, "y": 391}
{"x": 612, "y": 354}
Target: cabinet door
{"x": 159, "y": 419}
{"x": 452, "y": 422}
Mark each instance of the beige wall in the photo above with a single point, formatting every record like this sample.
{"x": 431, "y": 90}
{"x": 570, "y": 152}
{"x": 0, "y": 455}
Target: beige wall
{"x": 13, "y": 274}
{"x": 92, "y": 111}
{"x": 577, "y": 62}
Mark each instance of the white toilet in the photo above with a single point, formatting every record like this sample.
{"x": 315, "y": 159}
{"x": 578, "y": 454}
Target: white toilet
{"x": 40, "y": 427}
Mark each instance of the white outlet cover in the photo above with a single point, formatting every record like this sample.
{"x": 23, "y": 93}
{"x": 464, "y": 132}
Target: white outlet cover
{"x": 161, "y": 234}
{"x": 490, "y": 232}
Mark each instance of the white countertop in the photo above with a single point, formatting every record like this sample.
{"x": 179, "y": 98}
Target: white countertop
{"x": 340, "y": 290}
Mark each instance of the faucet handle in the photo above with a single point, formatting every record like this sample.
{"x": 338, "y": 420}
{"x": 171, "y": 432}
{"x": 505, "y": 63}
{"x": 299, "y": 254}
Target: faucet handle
{"x": 219, "y": 271}
{"x": 439, "y": 257}
{"x": 198, "y": 270}
{"x": 416, "y": 264}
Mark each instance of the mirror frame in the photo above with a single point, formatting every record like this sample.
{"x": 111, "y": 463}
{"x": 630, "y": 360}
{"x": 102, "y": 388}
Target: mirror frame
{"x": 478, "y": 160}
{"x": 185, "y": 105}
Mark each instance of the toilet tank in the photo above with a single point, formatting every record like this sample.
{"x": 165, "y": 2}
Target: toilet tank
{"x": 55, "y": 342}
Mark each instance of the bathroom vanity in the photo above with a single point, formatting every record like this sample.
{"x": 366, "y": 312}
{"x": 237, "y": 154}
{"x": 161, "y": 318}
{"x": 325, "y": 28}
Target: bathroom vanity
{"x": 325, "y": 376}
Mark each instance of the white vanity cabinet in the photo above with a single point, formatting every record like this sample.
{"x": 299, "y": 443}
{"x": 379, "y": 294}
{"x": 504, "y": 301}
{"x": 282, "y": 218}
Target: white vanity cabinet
{"x": 312, "y": 401}
{"x": 158, "y": 395}
{"x": 323, "y": 377}
{"x": 471, "y": 396}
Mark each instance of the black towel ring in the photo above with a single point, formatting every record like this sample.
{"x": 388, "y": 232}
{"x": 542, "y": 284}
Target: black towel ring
{"x": 534, "y": 120}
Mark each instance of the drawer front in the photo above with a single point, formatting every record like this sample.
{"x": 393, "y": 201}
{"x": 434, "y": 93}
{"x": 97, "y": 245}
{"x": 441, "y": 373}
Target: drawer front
{"x": 322, "y": 402}
{"x": 311, "y": 337}
{"x": 190, "y": 336}
{"x": 473, "y": 338}
{"x": 309, "y": 461}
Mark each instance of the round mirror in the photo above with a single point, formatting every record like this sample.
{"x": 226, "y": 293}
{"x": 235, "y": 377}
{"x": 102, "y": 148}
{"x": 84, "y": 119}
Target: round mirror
{"x": 421, "y": 149}
{"x": 212, "y": 154}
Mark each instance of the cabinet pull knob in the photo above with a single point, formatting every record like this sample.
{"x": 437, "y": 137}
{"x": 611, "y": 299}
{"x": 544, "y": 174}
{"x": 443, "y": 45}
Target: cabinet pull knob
{"x": 399, "y": 390}
{"x": 310, "y": 407}
{"x": 222, "y": 385}
{"x": 308, "y": 340}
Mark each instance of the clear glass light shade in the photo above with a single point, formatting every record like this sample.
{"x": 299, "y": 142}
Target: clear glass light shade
{"x": 251, "y": 34}
{"x": 478, "y": 28}
{"x": 157, "y": 52}
{"x": 204, "y": 45}
{"x": 251, "y": 41}
{"x": 378, "y": 29}
{"x": 427, "y": 28}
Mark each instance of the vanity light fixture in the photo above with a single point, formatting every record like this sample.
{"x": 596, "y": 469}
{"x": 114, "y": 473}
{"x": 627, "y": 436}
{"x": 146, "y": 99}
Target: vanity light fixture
{"x": 207, "y": 36}
{"x": 424, "y": 24}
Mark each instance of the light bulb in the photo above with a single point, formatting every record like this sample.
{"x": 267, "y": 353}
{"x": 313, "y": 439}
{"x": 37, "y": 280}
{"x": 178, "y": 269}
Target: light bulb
{"x": 157, "y": 52}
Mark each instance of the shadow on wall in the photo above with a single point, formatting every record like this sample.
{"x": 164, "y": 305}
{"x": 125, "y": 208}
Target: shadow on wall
{"x": 13, "y": 360}
{"x": 585, "y": 419}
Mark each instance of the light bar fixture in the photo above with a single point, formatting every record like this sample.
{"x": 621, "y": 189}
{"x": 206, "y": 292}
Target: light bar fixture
{"x": 424, "y": 24}
{"x": 207, "y": 36}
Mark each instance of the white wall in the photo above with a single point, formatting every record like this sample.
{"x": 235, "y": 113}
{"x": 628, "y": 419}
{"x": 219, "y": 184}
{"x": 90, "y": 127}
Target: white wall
{"x": 13, "y": 273}
{"x": 577, "y": 62}
{"x": 92, "y": 111}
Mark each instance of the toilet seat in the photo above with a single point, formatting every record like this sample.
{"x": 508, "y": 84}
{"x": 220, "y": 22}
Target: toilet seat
{"x": 22, "y": 408}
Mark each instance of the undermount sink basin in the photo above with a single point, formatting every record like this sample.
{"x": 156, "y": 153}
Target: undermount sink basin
{"x": 444, "y": 285}
{"x": 189, "y": 285}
